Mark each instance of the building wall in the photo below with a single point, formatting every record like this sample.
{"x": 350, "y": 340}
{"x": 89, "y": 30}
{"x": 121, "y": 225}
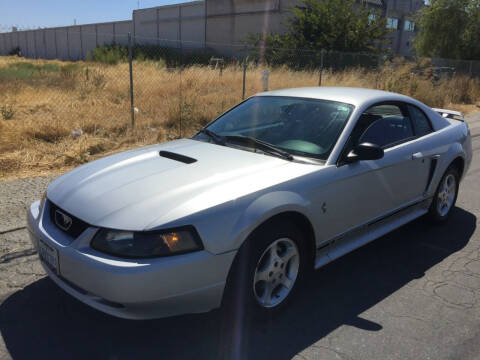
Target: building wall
{"x": 50, "y": 47}
{"x": 230, "y": 22}
{"x": 222, "y": 25}
{"x": 65, "y": 43}
{"x": 89, "y": 39}
{"x": 403, "y": 10}
{"x": 172, "y": 25}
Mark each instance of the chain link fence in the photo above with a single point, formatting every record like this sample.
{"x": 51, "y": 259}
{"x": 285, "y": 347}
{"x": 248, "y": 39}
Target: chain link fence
{"x": 150, "y": 90}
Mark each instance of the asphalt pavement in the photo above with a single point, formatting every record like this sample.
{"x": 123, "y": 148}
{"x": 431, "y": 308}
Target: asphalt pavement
{"x": 413, "y": 294}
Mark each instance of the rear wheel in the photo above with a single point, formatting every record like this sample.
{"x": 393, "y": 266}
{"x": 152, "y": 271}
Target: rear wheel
{"x": 445, "y": 196}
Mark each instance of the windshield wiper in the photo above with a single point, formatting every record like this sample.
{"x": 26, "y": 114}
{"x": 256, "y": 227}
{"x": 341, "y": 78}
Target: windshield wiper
{"x": 261, "y": 145}
{"x": 215, "y": 137}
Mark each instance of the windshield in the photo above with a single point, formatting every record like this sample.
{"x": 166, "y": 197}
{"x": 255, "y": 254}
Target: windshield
{"x": 305, "y": 127}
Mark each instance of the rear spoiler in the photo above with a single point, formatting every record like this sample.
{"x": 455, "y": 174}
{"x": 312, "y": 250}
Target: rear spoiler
{"x": 450, "y": 114}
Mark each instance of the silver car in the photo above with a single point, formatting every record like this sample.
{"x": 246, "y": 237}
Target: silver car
{"x": 279, "y": 185}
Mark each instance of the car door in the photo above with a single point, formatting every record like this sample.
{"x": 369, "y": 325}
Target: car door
{"x": 366, "y": 190}
{"x": 403, "y": 168}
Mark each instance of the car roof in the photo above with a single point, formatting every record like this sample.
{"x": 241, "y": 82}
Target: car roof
{"x": 349, "y": 95}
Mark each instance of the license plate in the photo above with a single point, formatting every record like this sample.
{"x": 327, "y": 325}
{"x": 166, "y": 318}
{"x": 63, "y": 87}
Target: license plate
{"x": 48, "y": 255}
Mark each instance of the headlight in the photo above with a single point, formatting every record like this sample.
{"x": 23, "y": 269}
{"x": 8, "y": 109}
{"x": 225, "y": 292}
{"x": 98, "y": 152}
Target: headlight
{"x": 147, "y": 244}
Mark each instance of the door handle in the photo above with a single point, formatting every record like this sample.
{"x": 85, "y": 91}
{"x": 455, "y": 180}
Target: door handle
{"x": 417, "y": 155}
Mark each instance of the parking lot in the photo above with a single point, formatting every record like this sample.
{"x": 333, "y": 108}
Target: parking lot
{"x": 413, "y": 294}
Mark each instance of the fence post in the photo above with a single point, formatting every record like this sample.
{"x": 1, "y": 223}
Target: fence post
{"x": 132, "y": 109}
{"x": 244, "y": 78}
{"x": 265, "y": 79}
{"x": 180, "y": 101}
{"x": 321, "y": 68}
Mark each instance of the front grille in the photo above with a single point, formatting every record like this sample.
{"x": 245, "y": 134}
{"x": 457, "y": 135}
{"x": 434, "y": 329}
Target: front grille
{"x": 60, "y": 218}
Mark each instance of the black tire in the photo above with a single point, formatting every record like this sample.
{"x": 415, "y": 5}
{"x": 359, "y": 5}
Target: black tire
{"x": 240, "y": 307}
{"x": 434, "y": 214}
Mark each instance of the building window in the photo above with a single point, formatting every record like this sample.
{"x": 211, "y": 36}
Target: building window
{"x": 409, "y": 25}
{"x": 392, "y": 23}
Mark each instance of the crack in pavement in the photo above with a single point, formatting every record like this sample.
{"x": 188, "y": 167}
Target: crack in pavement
{"x": 12, "y": 230}
{"x": 16, "y": 254}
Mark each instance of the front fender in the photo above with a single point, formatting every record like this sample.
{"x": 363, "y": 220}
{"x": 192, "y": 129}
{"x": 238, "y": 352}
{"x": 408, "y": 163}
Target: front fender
{"x": 265, "y": 207}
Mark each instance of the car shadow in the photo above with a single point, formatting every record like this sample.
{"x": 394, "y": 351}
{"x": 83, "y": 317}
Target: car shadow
{"x": 41, "y": 321}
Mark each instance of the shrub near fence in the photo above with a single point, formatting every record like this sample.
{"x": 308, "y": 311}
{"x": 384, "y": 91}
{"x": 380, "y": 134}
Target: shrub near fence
{"x": 171, "y": 57}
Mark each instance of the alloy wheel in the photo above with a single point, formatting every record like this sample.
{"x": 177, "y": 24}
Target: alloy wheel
{"x": 446, "y": 195}
{"x": 276, "y": 272}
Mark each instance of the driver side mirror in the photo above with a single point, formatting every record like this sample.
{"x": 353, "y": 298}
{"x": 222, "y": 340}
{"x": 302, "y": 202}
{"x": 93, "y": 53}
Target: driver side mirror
{"x": 365, "y": 151}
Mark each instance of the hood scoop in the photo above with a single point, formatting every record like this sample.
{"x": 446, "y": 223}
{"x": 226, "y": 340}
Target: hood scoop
{"x": 177, "y": 157}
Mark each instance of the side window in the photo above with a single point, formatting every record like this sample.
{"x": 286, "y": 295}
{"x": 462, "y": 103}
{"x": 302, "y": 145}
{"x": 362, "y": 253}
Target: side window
{"x": 420, "y": 122}
{"x": 389, "y": 128}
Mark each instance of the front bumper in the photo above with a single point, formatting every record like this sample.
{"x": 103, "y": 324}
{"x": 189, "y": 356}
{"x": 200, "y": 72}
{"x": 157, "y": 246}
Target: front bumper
{"x": 132, "y": 289}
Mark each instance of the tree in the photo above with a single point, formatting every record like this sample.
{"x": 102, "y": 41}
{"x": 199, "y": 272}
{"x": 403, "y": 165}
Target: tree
{"x": 329, "y": 25}
{"x": 449, "y": 29}
{"x": 342, "y": 25}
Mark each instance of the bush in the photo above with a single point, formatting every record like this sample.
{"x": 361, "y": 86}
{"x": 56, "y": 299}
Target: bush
{"x": 16, "y": 51}
{"x": 109, "y": 54}
{"x": 70, "y": 70}
{"x": 171, "y": 57}
{"x": 298, "y": 59}
{"x": 49, "y": 133}
{"x": 7, "y": 112}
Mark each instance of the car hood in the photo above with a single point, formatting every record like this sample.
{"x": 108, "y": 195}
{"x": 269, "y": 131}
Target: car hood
{"x": 139, "y": 189}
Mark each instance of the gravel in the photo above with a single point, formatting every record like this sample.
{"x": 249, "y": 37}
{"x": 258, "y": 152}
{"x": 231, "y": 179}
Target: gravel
{"x": 15, "y": 196}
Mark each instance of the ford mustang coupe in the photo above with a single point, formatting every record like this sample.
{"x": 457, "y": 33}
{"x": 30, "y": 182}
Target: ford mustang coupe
{"x": 281, "y": 184}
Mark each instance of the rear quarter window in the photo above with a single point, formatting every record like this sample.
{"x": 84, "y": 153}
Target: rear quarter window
{"x": 420, "y": 121}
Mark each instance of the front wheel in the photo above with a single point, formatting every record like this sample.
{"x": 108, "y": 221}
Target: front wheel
{"x": 276, "y": 273}
{"x": 268, "y": 268}
{"x": 266, "y": 274}
{"x": 445, "y": 196}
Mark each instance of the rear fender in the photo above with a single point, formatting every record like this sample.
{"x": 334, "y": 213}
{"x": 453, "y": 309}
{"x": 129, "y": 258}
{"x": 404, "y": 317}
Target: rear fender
{"x": 454, "y": 151}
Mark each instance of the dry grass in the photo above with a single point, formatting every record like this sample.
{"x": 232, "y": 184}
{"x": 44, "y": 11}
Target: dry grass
{"x": 40, "y": 108}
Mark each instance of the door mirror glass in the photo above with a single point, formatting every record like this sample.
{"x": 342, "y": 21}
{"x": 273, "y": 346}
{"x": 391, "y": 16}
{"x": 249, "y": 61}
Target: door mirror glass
{"x": 365, "y": 151}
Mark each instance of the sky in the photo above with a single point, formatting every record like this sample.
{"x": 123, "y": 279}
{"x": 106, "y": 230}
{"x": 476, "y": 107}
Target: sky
{"x": 31, "y": 14}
